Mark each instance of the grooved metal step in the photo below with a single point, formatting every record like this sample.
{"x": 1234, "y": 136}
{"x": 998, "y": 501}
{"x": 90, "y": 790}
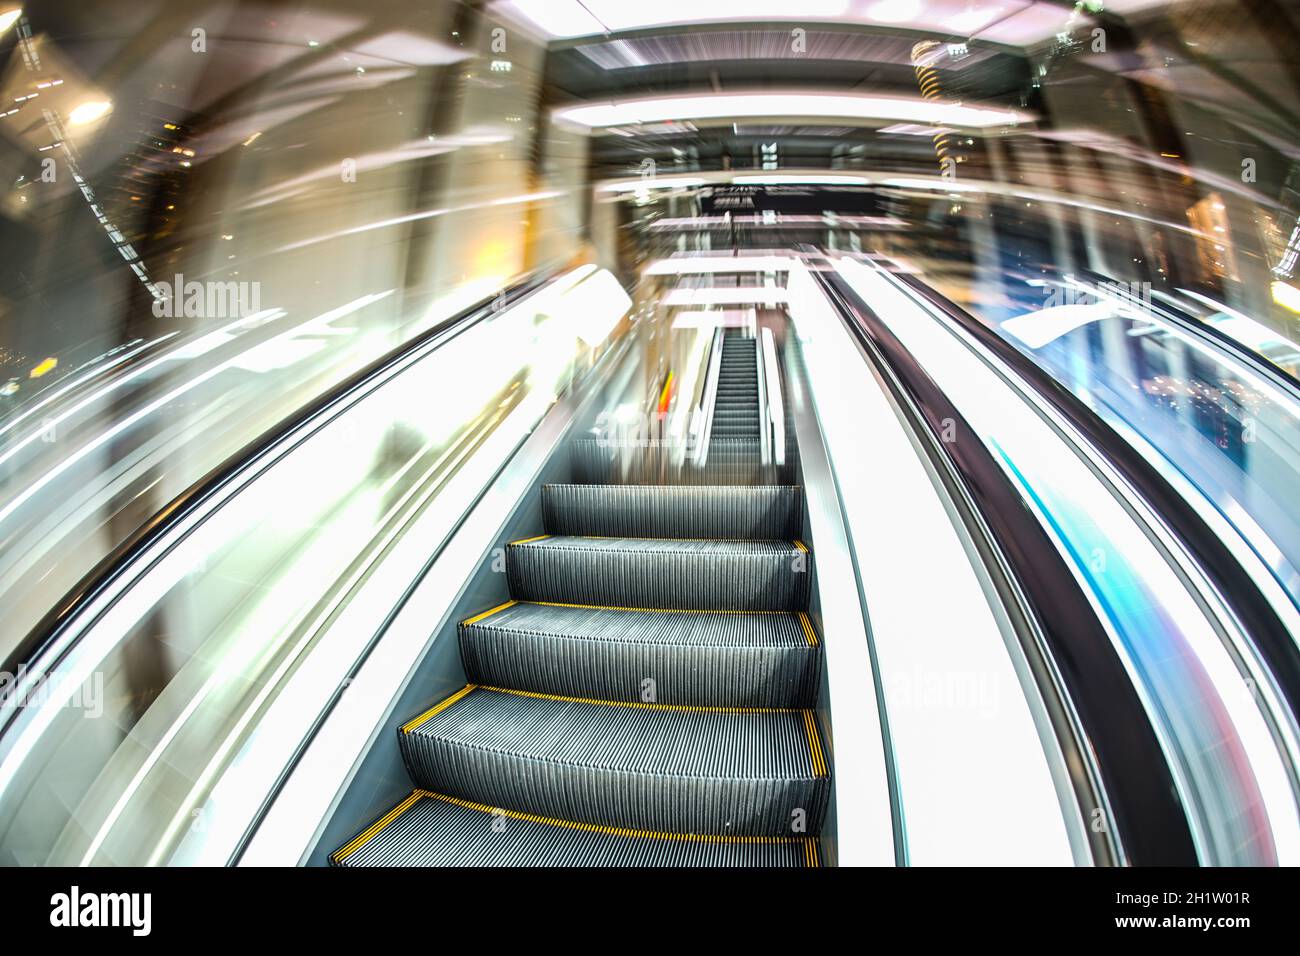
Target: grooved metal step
{"x": 726, "y": 771}
{"x": 735, "y": 410}
{"x": 646, "y": 697}
{"x": 677, "y": 657}
{"x": 673, "y": 511}
{"x": 431, "y": 829}
{"x": 708, "y": 574}
{"x": 731, "y": 461}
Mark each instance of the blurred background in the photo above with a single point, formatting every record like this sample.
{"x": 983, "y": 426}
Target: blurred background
{"x": 344, "y": 175}
{"x": 215, "y": 212}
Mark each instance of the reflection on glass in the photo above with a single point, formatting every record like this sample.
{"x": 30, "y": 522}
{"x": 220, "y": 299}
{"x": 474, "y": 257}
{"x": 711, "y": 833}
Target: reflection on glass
{"x": 177, "y": 673}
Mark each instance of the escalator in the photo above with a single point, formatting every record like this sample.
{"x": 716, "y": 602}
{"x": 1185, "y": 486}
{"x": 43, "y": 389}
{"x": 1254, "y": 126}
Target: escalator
{"x": 646, "y": 695}
{"x": 735, "y": 414}
{"x": 593, "y": 646}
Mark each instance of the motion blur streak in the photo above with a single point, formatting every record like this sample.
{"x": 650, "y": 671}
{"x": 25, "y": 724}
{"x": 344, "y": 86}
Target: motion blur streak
{"x": 354, "y": 353}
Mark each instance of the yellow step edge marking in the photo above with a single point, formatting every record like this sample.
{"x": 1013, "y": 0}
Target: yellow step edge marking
{"x": 812, "y": 853}
{"x": 815, "y": 740}
{"x": 814, "y": 744}
{"x": 437, "y": 708}
{"x": 648, "y": 610}
{"x": 614, "y": 831}
{"x": 808, "y": 630}
{"x": 817, "y": 743}
{"x": 642, "y": 705}
{"x": 375, "y": 828}
{"x": 539, "y": 537}
{"x": 478, "y": 617}
{"x": 800, "y": 545}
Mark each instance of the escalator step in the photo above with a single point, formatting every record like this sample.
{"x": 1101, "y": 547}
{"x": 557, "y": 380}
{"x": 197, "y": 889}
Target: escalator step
{"x": 707, "y": 574}
{"x": 668, "y": 511}
{"x": 731, "y": 461}
{"x": 728, "y": 660}
{"x": 657, "y": 767}
{"x": 646, "y": 698}
{"x": 431, "y": 829}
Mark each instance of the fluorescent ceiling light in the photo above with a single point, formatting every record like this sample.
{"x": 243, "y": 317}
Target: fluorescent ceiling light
{"x": 895, "y": 11}
{"x": 712, "y": 295}
{"x": 1014, "y": 22}
{"x": 975, "y": 17}
{"x": 656, "y": 182}
{"x": 712, "y": 319}
{"x": 9, "y": 18}
{"x": 1286, "y": 295}
{"x": 934, "y": 185}
{"x": 89, "y": 111}
{"x": 570, "y": 18}
{"x": 912, "y": 129}
{"x": 800, "y": 179}
{"x": 731, "y": 106}
{"x": 700, "y": 265}
{"x": 559, "y": 18}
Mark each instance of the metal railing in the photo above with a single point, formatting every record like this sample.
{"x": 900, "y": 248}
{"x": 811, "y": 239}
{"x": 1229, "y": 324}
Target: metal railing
{"x": 710, "y": 400}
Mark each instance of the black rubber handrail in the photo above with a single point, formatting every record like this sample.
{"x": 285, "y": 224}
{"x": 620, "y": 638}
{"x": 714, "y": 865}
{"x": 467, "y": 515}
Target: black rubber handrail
{"x": 1148, "y": 817}
{"x": 47, "y": 631}
{"x": 1275, "y": 643}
